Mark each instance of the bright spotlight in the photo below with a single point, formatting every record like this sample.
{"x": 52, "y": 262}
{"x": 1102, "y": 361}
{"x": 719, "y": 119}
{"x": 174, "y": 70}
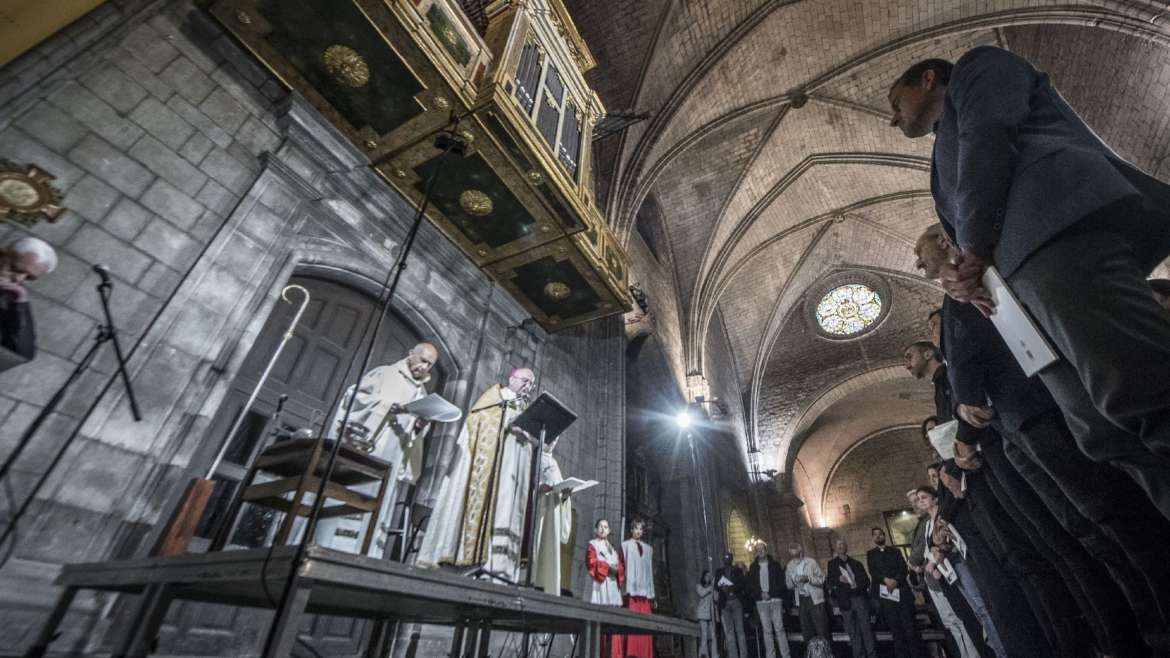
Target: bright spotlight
{"x": 683, "y": 419}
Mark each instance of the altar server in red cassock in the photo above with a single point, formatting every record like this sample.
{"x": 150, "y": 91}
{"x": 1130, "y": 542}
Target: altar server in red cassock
{"x": 609, "y": 574}
{"x": 639, "y": 586}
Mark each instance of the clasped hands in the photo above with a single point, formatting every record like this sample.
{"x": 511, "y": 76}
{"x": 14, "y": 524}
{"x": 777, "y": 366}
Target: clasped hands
{"x": 967, "y": 455}
{"x": 962, "y": 279}
{"x": 13, "y": 290}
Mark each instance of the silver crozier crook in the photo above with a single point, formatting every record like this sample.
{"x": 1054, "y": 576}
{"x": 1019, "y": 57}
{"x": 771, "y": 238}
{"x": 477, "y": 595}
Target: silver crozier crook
{"x": 264, "y": 376}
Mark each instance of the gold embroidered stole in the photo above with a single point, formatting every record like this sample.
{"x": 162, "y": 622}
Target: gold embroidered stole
{"x": 485, "y": 423}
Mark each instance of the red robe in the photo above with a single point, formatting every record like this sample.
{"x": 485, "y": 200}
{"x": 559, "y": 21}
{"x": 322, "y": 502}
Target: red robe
{"x": 611, "y": 645}
{"x": 599, "y": 569}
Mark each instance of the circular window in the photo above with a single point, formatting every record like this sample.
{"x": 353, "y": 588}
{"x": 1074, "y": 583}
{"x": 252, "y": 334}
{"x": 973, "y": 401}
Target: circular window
{"x": 848, "y": 309}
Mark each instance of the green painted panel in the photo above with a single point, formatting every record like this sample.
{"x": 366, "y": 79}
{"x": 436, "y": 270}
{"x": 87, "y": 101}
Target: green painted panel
{"x": 531, "y": 279}
{"x": 508, "y": 220}
{"x": 303, "y": 30}
{"x": 594, "y": 235}
{"x": 448, "y": 35}
{"x": 614, "y": 262}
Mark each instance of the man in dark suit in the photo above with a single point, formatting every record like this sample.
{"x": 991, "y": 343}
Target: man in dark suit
{"x": 1019, "y": 181}
{"x": 21, "y": 262}
{"x": 849, "y": 587}
{"x": 925, "y": 361}
{"x": 730, "y": 601}
{"x": 887, "y": 567}
{"x": 1066, "y": 496}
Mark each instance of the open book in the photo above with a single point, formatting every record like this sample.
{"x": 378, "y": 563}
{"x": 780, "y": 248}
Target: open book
{"x": 434, "y": 407}
{"x": 573, "y": 485}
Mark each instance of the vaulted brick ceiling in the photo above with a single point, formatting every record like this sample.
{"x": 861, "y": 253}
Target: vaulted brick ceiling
{"x": 771, "y": 159}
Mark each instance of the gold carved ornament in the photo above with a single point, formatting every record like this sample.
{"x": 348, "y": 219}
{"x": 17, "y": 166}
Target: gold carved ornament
{"x": 448, "y": 35}
{"x": 26, "y": 195}
{"x": 556, "y": 291}
{"x": 476, "y": 203}
{"x": 347, "y": 66}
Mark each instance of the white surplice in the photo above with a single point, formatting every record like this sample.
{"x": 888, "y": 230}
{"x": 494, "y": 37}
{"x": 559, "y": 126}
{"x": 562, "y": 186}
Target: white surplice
{"x": 639, "y": 568}
{"x": 397, "y": 443}
{"x": 553, "y": 520}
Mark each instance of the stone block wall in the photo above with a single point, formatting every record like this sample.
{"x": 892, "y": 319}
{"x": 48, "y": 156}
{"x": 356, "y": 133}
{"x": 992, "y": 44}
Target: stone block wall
{"x": 191, "y": 173}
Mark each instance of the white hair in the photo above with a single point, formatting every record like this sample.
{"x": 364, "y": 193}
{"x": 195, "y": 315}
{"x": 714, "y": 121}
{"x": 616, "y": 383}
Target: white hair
{"x": 43, "y": 252}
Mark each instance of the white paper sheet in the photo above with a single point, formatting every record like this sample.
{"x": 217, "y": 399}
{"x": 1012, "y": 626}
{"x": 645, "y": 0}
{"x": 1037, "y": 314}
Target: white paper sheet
{"x": 888, "y": 594}
{"x": 942, "y": 437}
{"x": 724, "y": 582}
{"x": 948, "y": 571}
{"x": 1031, "y": 349}
{"x": 434, "y": 407}
{"x": 573, "y": 485}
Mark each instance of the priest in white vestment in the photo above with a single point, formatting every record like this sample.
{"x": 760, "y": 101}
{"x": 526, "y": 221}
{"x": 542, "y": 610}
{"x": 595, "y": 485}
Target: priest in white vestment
{"x": 554, "y": 518}
{"x": 378, "y": 412}
{"x": 479, "y": 512}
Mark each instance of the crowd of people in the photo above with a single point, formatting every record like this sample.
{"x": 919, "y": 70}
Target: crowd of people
{"x": 1029, "y": 544}
{"x": 1044, "y": 521}
{"x": 881, "y": 590}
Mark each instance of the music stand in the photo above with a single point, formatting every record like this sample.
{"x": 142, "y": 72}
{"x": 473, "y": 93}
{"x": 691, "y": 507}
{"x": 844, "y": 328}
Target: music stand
{"x": 546, "y": 418}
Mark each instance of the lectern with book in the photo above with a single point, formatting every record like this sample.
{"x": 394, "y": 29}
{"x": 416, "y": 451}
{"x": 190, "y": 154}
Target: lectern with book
{"x": 546, "y": 418}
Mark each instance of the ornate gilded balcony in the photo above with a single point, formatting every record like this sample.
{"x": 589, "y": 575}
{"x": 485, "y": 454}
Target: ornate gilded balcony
{"x": 391, "y": 74}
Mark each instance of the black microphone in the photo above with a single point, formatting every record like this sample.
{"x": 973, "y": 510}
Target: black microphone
{"x": 102, "y": 271}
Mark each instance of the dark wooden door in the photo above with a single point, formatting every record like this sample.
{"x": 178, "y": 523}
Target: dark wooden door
{"x": 313, "y": 368}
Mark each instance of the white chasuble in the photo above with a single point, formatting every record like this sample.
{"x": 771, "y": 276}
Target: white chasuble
{"x": 553, "y": 528}
{"x": 462, "y": 524}
{"x": 397, "y": 443}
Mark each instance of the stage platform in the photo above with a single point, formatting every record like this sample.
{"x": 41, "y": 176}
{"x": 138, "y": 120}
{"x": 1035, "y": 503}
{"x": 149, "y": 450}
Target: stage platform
{"x": 335, "y": 583}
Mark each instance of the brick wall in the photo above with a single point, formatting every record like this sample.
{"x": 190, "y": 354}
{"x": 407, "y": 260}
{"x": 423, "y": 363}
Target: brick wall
{"x": 873, "y": 479}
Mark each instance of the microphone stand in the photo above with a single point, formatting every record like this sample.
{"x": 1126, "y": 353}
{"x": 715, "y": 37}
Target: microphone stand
{"x": 105, "y": 333}
{"x": 449, "y": 142}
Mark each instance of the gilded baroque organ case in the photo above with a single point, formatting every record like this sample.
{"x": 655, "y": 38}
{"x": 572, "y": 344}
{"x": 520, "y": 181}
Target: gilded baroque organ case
{"x": 391, "y": 74}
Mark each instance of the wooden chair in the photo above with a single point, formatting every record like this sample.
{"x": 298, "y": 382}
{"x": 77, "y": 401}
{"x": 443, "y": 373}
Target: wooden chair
{"x": 296, "y": 466}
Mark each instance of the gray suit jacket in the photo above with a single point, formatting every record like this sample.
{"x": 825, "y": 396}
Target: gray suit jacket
{"x": 1014, "y": 165}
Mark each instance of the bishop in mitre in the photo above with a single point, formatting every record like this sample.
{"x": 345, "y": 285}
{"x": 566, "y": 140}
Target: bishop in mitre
{"x": 479, "y": 512}
{"x": 378, "y": 412}
{"x": 553, "y": 524}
